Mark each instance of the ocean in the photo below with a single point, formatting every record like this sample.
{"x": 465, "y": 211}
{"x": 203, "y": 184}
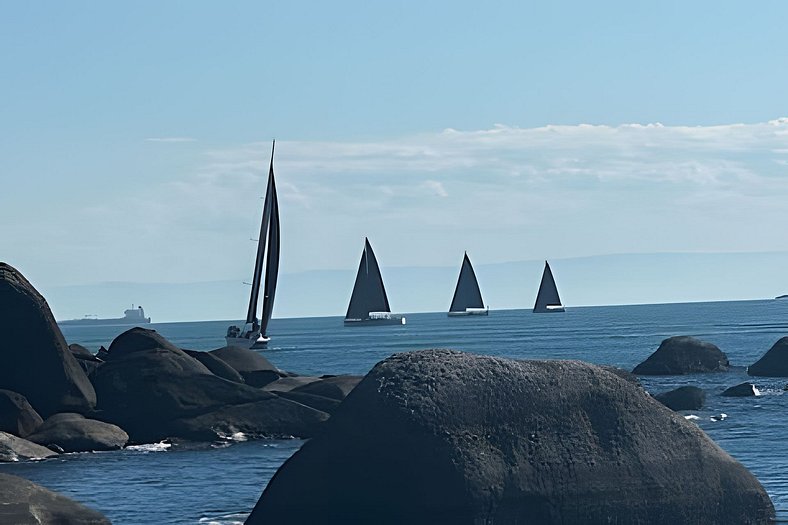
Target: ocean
{"x": 220, "y": 483}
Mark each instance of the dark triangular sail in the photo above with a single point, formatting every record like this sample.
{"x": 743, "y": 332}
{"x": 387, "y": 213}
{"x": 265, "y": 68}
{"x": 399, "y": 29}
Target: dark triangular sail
{"x": 271, "y": 258}
{"x": 264, "y": 246}
{"x": 467, "y": 293}
{"x": 369, "y": 295}
{"x": 548, "y": 292}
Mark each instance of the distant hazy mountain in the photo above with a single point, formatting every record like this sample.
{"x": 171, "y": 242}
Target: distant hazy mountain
{"x": 608, "y": 279}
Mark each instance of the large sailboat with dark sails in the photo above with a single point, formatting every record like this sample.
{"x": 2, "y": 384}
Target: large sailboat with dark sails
{"x": 547, "y": 300}
{"x": 254, "y": 333}
{"x": 467, "y": 298}
{"x": 369, "y": 304}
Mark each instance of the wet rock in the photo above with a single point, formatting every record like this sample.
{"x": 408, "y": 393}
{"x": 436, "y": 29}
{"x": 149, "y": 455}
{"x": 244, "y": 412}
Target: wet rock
{"x": 683, "y": 355}
{"x": 255, "y": 369}
{"x": 13, "y": 448}
{"x": 74, "y": 433}
{"x": 683, "y": 398}
{"x": 774, "y": 363}
{"x": 741, "y": 390}
{"x": 333, "y": 387}
{"x": 17, "y": 416}
{"x": 36, "y": 360}
{"x": 446, "y": 437}
{"x": 22, "y": 502}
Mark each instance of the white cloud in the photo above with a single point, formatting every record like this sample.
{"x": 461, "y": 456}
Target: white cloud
{"x": 170, "y": 139}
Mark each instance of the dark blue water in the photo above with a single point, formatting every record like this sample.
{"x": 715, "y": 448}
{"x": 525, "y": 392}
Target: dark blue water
{"x": 221, "y": 483}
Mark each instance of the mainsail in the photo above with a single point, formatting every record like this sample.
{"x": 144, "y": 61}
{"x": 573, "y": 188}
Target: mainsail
{"x": 467, "y": 293}
{"x": 369, "y": 295}
{"x": 547, "y": 299}
{"x": 267, "y": 256}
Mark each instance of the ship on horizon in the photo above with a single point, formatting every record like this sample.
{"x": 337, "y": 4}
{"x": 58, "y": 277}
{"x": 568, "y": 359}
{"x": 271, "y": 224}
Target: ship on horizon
{"x": 132, "y": 316}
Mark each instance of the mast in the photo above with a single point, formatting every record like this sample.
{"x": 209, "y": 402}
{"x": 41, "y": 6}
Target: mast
{"x": 467, "y": 293}
{"x": 271, "y": 258}
{"x": 251, "y": 313}
{"x": 369, "y": 294}
{"x": 548, "y": 292}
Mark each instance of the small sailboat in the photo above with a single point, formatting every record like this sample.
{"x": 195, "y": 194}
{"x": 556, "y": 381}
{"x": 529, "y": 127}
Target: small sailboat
{"x": 467, "y": 298}
{"x": 254, "y": 332}
{"x": 369, "y": 304}
{"x": 547, "y": 299}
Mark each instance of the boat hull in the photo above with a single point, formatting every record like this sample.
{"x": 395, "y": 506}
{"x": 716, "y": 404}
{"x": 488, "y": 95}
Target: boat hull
{"x": 470, "y": 311}
{"x": 253, "y": 342}
{"x": 376, "y": 321}
{"x": 550, "y": 309}
{"x": 122, "y": 321}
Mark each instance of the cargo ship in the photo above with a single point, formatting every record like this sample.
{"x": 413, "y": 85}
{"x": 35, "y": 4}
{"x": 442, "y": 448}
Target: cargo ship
{"x": 132, "y": 316}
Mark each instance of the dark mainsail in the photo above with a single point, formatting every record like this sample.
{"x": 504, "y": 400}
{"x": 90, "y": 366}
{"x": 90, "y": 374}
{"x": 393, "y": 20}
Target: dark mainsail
{"x": 547, "y": 299}
{"x": 467, "y": 293}
{"x": 369, "y": 295}
{"x": 267, "y": 255}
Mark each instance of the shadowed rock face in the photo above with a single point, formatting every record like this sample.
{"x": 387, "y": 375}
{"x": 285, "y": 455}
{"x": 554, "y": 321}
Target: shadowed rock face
{"x": 25, "y": 503}
{"x": 683, "y": 355}
{"x": 774, "y": 363}
{"x": 36, "y": 360}
{"x": 683, "y": 398}
{"x": 446, "y": 437}
{"x": 14, "y": 448}
{"x": 73, "y": 433}
{"x": 333, "y": 387}
{"x": 255, "y": 369}
{"x": 17, "y": 417}
{"x": 741, "y": 390}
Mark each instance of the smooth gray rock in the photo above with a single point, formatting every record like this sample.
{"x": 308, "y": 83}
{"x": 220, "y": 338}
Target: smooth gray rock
{"x": 683, "y": 398}
{"x": 333, "y": 387}
{"x": 254, "y": 368}
{"x": 741, "y": 390}
{"x": 25, "y": 503}
{"x": 285, "y": 384}
{"x": 17, "y": 416}
{"x": 683, "y": 355}
{"x": 774, "y": 362}
{"x": 439, "y": 437}
{"x": 13, "y": 448}
{"x": 216, "y": 366}
{"x": 36, "y": 360}
{"x": 74, "y": 433}
{"x": 325, "y": 404}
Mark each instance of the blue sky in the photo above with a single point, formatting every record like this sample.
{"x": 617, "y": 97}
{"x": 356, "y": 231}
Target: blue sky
{"x": 134, "y": 137}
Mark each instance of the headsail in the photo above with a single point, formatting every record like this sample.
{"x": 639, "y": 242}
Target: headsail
{"x": 547, "y": 299}
{"x": 369, "y": 295}
{"x": 467, "y": 293}
{"x": 272, "y": 256}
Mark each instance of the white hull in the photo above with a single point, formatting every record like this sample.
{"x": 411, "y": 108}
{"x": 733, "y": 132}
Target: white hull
{"x": 551, "y": 309}
{"x": 470, "y": 311}
{"x": 255, "y": 340}
{"x": 377, "y": 320}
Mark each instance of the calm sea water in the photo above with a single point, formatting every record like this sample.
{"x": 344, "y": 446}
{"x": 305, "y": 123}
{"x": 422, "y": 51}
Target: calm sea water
{"x": 220, "y": 483}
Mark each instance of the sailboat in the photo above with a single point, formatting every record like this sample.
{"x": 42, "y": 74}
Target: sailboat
{"x": 547, "y": 299}
{"x": 467, "y": 298}
{"x": 254, "y": 332}
{"x": 369, "y": 304}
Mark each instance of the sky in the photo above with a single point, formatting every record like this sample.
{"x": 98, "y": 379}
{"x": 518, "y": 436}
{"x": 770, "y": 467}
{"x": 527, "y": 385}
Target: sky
{"x": 135, "y": 138}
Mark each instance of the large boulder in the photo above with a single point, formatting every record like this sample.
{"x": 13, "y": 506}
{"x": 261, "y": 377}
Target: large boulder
{"x": 74, "y": 433}
{"x": 36, "y": 360}
{"x": 741, "y": 390}
{"x": 287, "y": 383}
{"x": 683, "y": 355}
{"x": 333, "y": 387}
{"x": 216, "y": 365}
{"x": 446, "y": 437}
{"x": 773, "y": 363}
{"x": 683, "y": 398}
{"x": 17, "y": 416}
{"x": 13, "y": 448}
{"x": 22, "y": 502}
{"x": 255, "y": 369}
{"x": 150, "y": 388}
{"x": 87, "y": 361}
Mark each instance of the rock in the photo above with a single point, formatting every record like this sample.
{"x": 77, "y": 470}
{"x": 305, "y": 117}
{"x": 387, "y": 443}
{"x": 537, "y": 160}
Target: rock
{"x": 623, "y": 374}
{"x": 13, "y": 448}
{"x": 255, "y": 369}
{"x": 216, "y": 366}
{"x": 333, "y": 387}
{"x": 87, "y": 361}
{"x": 446, "y": 437}
{"x": 78, "y": 349}
{"x": 774, "y": 363}
{"x": 325, "y": 404}
{"x": 36, "y": 360}
{"x": 150, "y": 388}
{"x": 683, "y": 355}
{"x": 17, "y": 416}
{"x": 683, "y": 398}
{"x": 22, "y": 502}
{"x": 287, "y": 383}
{"x": 74, "y": 433}
{"x": 741, "y": 390}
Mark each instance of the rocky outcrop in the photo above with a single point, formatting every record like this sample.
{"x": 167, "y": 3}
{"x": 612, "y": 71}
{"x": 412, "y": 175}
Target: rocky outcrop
{"x": 288, "y": 383}
{"x": 683, "y": 355}
{"x": 446, "y": 437}
{"x": 332, "y": 387}
{"x": 774, "y": 363}
{"x": 13, "y": 448}
{"x": 216, "y": 366}
{"x": 36, "y": 360}
{"x": 17, "y": 416}
{"x": 741, "y": 390}
{"x": 74, "y": 433}
{"x": 683, "y": 398}
{"x": 256, "y": 370}
{"x": 25, "y": 503}
{"x": 87, "y": 361}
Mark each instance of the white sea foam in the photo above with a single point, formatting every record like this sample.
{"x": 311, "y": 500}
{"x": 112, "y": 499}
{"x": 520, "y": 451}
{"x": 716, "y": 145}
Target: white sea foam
{"x": 719, "y": 417}
{"x": 691, "y": 417}
{"x": 150, "y": 447}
